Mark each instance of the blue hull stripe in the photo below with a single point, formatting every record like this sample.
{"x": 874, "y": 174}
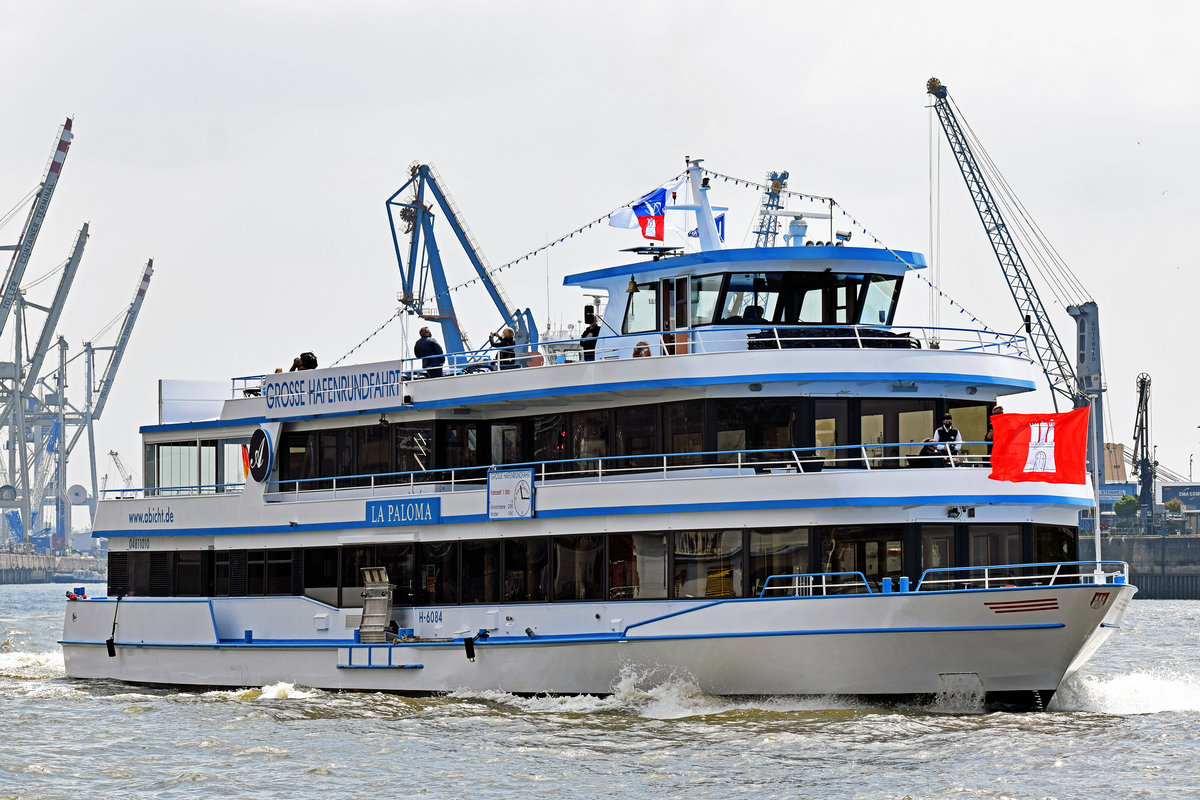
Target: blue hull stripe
{"x": 582, "y": 639}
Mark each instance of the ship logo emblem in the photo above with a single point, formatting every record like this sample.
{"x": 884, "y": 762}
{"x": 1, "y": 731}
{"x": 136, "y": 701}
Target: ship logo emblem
{"x": 1041, "y": 447}
{"x": 1099, "y": 599}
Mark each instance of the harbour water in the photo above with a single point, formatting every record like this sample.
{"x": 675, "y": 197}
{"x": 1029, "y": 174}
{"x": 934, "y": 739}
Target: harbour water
{"x": 1124, "y": 727}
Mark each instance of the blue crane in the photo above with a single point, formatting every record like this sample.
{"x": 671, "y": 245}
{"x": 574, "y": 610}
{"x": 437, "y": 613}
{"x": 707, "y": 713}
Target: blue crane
{"x": 427, "y": 292}
{"x": 1075, "y": 383}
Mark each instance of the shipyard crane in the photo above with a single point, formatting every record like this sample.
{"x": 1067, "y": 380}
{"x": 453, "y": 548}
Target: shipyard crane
{"x": 33, "y": 224}
{"x": 424, "y": 261}
{"x": 1076, "y": 383}
{"x": 1144, "y": 465}
{"x": 768, "y": 222}
{"x": 126, "y": 477}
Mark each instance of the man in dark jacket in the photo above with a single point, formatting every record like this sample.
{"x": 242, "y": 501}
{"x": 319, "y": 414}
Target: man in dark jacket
{"x": 431, "y": 354}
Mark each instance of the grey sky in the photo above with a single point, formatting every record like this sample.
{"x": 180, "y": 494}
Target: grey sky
{"x": 249, "y": 147}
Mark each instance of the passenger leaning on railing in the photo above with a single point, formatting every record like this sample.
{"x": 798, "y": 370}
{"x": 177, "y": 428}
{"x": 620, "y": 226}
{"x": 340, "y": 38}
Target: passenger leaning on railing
{"x": 949, "y": 440}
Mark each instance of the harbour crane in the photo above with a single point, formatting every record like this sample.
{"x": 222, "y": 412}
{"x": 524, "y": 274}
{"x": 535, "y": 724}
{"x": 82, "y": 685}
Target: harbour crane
{"x": 768, "y": 222}
{"x": 1080, "y": 383}
{"x": 424, "y": 262}
{"x": 1145, "y": 467}
{"x": 126, "y": 477}
{"x": 33, "y": 224}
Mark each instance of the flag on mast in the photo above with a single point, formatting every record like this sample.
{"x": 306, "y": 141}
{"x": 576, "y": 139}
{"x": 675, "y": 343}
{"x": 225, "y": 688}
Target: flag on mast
{"x": 1051, "y": 448}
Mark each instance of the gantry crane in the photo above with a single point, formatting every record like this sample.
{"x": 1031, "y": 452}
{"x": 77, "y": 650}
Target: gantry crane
{"x": 424, "y": 262}
{"x": 1080, "y": 384}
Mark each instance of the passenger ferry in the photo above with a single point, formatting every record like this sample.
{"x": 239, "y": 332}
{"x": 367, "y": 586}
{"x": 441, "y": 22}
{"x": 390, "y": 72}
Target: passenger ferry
{"x": 747, "y": 508}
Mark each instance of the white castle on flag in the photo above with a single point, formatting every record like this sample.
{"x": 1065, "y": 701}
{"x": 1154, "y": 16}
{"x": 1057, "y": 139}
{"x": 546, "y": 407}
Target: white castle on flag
{"x": 1041, "y": 447}
{"x": 651, "y": 228}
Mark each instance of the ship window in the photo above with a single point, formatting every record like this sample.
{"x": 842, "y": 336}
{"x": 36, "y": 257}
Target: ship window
{"x": 743, "y": 424}
{"x": 708, "y": 564}
{"x": 637, "y": 566}
{"x": 831, "y": 424}
{"x": 335, "y": 450}
{"x": 221, "y": 574}
{"x": 178, "y": 467}
{"x": 188, "y": 573}
{"x": 915, "y": 424}
{"x": 526, "y": 569}
{"x": 937, "y": 546}
{"x": 353, "y": 561}
{"x": 138, "y": 576}
{"x": 414, "y": 443}
{"x": 878, "y": 300}
{"x": 397, "y": 559}
{"x": 637, "y": 435}
{"x": 751, "y": 297}
{"x": 995, "y": 544}
{"x": 256, "y": 579}
{"x": 777, "y": 552}
{"x": 875, "y": 551}
{"x": 971, "y": 421}
{"x": 459, "y": 444}
{"x": 550, "y": 439}
{"x": 704, "y": 292}
{"x": 298, "y": 460}
{"x": 208, "y": 467}
{"x": 279, "y": 572}
{"x": 589, "y": 437}
{"x": 508, "y": 442}
{"x": 231, "y": 469}
{"x": 1053, "y": 543}
{"x": 641, "y": 313}
{"x": 321, "y": 575}
{"x": 437, "y": 575}
{"x": 481, "y": 571}
{"x": 374, "y": 452}
{"x": 683, "y": 431}
{"x": 578, "y": 567}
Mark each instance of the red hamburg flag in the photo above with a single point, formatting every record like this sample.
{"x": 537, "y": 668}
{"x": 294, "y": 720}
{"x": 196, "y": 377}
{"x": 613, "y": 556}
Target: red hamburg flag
{"x": 1040, "y": 447}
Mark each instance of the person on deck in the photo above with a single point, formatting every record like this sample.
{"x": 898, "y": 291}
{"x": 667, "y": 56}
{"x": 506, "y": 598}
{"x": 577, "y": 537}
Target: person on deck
{"x": 431, "y": 354}
{"x": 948, "y": 439}
{"x": 587, "y": 342}
{"x": 504, "y": 341}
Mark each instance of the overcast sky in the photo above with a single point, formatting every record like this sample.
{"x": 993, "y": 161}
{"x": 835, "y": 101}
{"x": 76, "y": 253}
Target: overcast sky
{"x": 249, "y": 147}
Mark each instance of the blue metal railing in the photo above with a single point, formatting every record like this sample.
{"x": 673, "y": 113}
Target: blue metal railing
{"x": 809, "y": 584}
{"x": 1052, "y": 573}
{"x": 662, "y": 466}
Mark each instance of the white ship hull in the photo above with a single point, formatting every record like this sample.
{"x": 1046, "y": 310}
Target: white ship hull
{"x": 876, "y": 644}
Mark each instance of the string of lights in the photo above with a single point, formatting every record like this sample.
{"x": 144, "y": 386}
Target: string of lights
{"x": 352, "y": 350}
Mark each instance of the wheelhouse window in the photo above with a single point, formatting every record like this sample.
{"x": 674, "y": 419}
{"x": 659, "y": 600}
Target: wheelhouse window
{"x": 641, "y": 313}
{"x": 704, "y": 290}
{"x": 807, "y": 298}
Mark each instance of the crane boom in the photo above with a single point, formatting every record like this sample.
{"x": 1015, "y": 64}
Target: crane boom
{"x": 1049, "y": 351}
{"x": 118, "y": 350}
{"x": 33, "y": 224}
{"x": 1144, "y": 465}
{"x": 417, "y": 218}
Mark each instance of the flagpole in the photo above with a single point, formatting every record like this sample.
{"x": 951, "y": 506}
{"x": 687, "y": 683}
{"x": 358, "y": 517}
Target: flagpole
{"x": 1098, "y": 573}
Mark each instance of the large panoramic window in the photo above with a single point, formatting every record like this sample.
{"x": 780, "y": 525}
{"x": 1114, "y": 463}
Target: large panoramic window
{"x": 777, "y": 552}
{"x": 637, "y": 566}
{"x": 708, "y": 564}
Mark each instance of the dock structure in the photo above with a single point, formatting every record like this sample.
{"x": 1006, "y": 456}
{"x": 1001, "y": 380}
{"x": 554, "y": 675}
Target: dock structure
{"x": 31, "y": 568}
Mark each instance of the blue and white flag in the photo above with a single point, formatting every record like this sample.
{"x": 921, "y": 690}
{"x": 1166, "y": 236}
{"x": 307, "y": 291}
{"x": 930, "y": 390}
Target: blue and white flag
{"x": 653, "y": 212}
{"x": 694, "y": 233}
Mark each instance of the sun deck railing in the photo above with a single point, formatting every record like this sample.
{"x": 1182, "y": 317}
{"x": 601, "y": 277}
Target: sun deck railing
{"x": 666, "y": 466}
{"x": 710, "y": 340}
{"x": 1015, "y": 575}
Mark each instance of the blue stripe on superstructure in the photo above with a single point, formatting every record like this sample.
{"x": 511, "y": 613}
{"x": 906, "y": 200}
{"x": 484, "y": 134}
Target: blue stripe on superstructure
{"x": 891, "y": 261}
{"x": 615, "y": 386}
{"x": 749, "y": 505}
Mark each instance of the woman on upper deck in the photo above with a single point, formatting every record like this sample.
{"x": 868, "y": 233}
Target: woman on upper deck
{"x": 504, "y": 341}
